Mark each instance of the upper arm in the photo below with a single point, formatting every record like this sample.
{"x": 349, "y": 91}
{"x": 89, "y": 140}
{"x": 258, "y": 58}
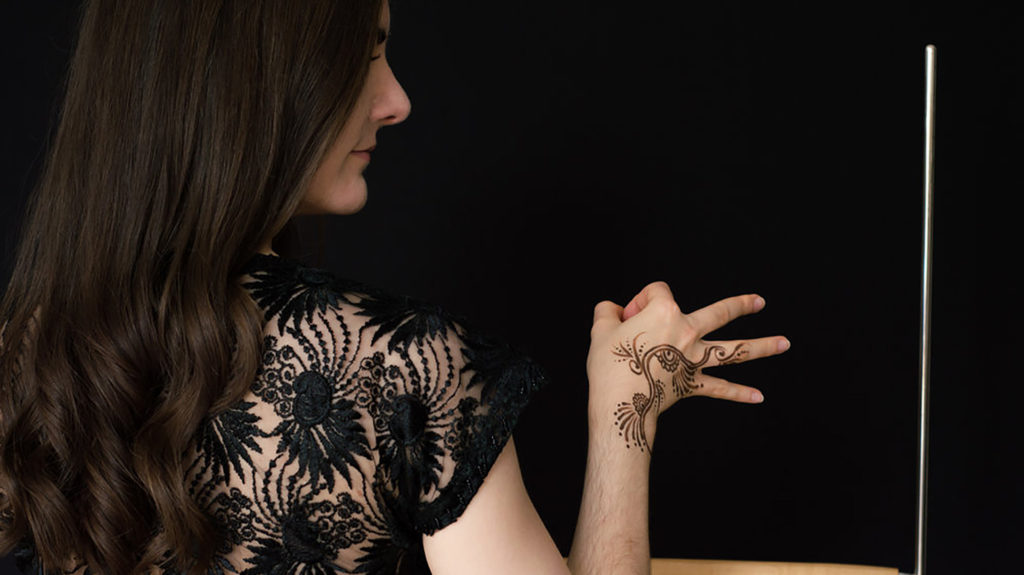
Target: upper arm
{"x": 499, "y": 532}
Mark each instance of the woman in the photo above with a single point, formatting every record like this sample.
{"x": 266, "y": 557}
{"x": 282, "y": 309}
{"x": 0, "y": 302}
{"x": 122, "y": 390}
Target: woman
{"x": 177, "y": 397}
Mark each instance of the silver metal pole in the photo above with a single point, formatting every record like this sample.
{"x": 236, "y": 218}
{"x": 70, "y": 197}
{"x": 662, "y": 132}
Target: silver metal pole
{"x": 926, "y": 308}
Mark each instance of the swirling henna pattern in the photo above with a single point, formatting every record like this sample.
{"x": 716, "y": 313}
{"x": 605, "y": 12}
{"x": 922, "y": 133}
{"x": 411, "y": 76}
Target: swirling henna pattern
{"x": 630, "y": 415}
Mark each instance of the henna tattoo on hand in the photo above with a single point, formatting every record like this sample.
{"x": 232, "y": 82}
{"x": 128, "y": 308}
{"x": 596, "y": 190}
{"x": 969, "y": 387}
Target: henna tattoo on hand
{"x": 631, "y": 415}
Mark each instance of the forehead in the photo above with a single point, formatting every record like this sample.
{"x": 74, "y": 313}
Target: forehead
{"x": 385, "y": 15}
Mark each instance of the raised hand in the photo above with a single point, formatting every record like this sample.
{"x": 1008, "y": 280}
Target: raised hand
{"x": 646, "y": 356}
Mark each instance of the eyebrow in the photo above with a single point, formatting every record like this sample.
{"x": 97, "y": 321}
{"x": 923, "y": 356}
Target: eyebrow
{"x": 382, "y": 35}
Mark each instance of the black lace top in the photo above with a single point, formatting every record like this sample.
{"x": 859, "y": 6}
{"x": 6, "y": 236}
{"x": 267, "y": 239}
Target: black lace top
{"x": 373, "y": 420}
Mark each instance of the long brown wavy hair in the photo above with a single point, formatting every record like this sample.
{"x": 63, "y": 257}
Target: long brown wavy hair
{"x": 188, "y": 134}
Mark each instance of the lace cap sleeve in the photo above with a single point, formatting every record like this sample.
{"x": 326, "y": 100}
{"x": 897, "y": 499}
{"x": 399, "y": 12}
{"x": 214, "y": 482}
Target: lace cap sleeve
{"x": 449, "y": 400}
{"x": 387, "y": 392}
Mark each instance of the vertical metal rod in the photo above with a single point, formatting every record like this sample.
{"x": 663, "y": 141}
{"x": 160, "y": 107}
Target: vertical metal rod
{"x": 926, "y": 309}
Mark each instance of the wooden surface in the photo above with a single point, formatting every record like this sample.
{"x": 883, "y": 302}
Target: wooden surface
{"x": 717, "y": 567}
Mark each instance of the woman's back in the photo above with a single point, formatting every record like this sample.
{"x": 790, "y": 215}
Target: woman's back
{"x": 373, "y": 420}
{"x": 190, "y": 134}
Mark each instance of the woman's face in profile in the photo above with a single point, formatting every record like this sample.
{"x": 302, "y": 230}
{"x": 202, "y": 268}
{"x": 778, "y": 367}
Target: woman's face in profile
{"x": 338, "y": 186}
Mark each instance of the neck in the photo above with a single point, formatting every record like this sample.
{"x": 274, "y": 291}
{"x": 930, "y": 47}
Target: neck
{"x": 266, "y": 249}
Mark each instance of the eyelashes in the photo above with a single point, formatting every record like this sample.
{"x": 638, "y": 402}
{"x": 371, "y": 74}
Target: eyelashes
{"x": 382, "y": 36}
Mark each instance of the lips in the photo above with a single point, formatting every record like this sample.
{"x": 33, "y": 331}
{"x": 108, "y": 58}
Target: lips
{"x": 370, "y": 149}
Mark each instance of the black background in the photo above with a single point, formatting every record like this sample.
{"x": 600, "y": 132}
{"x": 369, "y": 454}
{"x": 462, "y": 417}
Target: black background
{"x": 560, "y": 153}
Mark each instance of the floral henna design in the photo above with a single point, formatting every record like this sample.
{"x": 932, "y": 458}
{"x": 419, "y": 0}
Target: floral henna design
{"x": 630, "y": 415}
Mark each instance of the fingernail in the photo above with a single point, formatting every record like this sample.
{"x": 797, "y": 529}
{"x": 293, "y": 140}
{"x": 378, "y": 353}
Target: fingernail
{"x": 756, "y": 396}
{"x": 783, "y": 344}
{"x": 758, "y": 303}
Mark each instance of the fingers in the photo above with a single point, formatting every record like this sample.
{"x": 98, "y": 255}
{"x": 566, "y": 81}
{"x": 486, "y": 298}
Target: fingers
{"x": 709, "y": 318}
{"x": 719, "y": 388}
{"x": 651, "y": 292}
{"x": 739, "y": 351}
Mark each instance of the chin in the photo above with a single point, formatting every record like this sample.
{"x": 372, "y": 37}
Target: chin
{"x": 341, "y": 203}
{"x": 351, "y": 203}
{"x": 349, "y": 207}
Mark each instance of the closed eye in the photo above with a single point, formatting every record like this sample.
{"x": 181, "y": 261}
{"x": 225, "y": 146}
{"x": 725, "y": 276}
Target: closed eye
{"x": 382, "y": 37}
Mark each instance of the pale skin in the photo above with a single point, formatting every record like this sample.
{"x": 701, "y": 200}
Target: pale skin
{"x": 338, "y": 186}
{"x": 500, "y": 531}
{"x": 611, "y": 531}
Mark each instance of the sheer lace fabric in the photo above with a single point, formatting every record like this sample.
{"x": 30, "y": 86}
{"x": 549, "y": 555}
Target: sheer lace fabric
{"x": 373, "y": 420}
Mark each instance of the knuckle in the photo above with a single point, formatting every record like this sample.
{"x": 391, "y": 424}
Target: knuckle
{"x": 687, "y": 333}
{"x": 723, "y": 391}
{"x": 723, "y": 315}
{"x": 665, "y": 308}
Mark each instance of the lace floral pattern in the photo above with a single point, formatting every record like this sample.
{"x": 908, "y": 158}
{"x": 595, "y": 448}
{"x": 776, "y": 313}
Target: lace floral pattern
{"x": 373, "y": 420}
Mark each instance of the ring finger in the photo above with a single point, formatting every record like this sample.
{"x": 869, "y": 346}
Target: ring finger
{"x": 718, "y": 388}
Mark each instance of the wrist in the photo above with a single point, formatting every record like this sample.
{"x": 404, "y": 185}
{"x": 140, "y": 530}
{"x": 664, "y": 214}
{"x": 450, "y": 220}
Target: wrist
{"x": 621, "y": 425}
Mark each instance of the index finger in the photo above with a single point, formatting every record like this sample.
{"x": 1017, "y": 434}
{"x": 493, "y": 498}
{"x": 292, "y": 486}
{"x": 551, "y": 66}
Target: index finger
{"x": 709, "y": 318}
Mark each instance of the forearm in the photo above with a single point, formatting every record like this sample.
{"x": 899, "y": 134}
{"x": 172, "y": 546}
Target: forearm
{"x": 611, "y": 532}
{"x": 626, "y": 397}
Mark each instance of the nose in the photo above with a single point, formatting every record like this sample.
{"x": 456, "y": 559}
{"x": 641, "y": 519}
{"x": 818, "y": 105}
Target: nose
{"x": 392, "y": 105}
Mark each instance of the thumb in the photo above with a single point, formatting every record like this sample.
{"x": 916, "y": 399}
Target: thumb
{"x": 607, "y": 314}
{"x": 639, "y": 302}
